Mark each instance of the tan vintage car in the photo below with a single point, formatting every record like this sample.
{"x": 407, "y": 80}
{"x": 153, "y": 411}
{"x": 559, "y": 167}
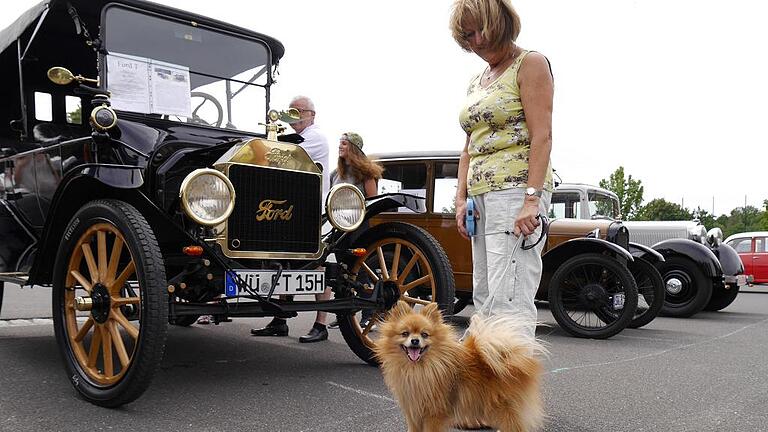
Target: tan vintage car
{"x": 591, "y": 276}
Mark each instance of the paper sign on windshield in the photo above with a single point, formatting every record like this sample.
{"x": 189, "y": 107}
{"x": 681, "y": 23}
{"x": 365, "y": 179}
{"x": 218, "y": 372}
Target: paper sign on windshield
{"x": 143, "y": 85}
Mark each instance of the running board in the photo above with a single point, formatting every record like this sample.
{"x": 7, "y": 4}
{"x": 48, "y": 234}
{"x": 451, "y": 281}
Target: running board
{"x": 17, "y": 278}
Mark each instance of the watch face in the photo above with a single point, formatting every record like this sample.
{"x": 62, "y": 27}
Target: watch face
{"x": 530, "y": 191}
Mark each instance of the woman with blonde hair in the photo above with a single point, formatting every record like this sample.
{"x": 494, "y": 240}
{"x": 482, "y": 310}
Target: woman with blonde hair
{"x": 504, "y": 166}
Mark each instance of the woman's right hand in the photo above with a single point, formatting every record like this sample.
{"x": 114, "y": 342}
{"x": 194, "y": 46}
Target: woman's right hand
{"x": 461, "y": 213}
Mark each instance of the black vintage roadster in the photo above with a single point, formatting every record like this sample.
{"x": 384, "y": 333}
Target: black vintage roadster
{"x": 153, "y": 187}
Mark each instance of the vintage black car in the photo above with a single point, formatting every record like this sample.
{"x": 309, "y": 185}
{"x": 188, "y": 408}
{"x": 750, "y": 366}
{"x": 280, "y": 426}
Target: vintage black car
{"x": 151, "y": 193}
{"x": 699, "y": 271}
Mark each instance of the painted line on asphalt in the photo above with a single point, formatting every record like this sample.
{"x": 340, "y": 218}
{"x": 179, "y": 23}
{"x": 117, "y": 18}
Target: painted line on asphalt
{"x": 658, "y": 353}
{"x": 25, "y": 322}
{"x": 623, "y": 336}
{"x": 360, "y": 392}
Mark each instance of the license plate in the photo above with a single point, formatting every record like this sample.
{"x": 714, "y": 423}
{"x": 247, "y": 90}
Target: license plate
{"x": 294, "y": 282}
{"x": 618, "y": 301}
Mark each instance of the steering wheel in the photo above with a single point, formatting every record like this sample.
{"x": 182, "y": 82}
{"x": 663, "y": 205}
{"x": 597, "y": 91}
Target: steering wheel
{"x": 207, "y": 99}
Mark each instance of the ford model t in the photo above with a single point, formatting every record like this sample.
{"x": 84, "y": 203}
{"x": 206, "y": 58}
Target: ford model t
{"x": 146, "y": 191}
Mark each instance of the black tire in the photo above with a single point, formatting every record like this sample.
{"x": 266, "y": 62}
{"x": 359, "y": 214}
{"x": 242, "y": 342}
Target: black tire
{"x": 2, "y": 289}
{"x": 140, "y": 287}
{"x": 421, "y": 262}
{"x": 585, "y": 295}
{"x": 687, "y": 288}
{"x": 721, "y": 298}
{"x": 650, "y": 286}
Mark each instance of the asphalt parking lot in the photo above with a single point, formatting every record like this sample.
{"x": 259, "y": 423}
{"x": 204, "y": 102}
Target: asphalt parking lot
{"x": 706, "y": 373}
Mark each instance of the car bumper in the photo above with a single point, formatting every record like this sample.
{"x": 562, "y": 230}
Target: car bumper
{"x": 737, "y": 280}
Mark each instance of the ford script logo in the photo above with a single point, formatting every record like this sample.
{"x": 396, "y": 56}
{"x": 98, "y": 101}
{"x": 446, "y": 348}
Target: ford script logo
{"x": 270, "y": 210}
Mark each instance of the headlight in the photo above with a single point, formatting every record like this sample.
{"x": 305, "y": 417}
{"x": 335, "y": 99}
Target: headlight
{"x": 345, "y": 207}
{"x": 715, "y": 237}
{"x": 698, "y": 234}
{"x": 207, "y": 196}
{"x": 103, "y": 118}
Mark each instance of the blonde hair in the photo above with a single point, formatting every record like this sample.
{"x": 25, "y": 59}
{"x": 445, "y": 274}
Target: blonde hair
{"x": 358, "y": 166}
{"x": 496, "y": 20}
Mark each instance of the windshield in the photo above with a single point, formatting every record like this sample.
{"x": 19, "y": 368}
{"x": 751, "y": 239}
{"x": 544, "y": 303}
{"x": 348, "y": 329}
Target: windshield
{"x": 602, "y": 205}
{"x": 185, "y": 73}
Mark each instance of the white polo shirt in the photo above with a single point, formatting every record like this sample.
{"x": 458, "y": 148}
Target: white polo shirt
{"x": 316, "y": 145}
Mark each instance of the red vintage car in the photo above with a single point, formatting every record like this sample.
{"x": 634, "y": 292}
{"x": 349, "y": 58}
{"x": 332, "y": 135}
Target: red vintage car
{"x": 752, "y": 248}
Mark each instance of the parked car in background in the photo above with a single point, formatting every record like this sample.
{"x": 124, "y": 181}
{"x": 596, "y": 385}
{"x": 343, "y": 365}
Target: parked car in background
{"x": 699, "y": 271}
{"x": 588, "y": 269}
{"x": 752, "y": 248}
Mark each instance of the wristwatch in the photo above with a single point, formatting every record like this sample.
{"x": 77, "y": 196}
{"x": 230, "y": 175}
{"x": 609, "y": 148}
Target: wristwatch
{"x": 532, "y": 191}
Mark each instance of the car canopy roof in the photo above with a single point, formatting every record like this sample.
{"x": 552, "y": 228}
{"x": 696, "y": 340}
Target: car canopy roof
{"x": 27, "y": 22}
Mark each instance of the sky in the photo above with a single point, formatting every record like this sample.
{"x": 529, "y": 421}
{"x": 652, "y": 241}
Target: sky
{"x": 674, "y": 91}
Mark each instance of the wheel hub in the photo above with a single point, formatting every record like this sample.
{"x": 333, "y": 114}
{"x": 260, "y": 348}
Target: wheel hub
{"x": 674, "y": 286}
{"x": 100, "y": 303}
{"x": 593, "y": 293}
{"x": 390, "y": 293}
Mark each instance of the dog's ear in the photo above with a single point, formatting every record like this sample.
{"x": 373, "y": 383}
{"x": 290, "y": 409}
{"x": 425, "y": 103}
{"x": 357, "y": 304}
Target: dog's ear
{"x": 400, "y": 310}
{"x": 432, "y": 312}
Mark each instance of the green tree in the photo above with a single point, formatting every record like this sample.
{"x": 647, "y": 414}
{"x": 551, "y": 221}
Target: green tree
{"x": 743, "y": 219}
{"x": 707, "y": 219}
{"x": 76, "y": 116}
{"x": 764, "y": 217}
{"x": 629, "y": 191}
{"x": 660, "y": 209}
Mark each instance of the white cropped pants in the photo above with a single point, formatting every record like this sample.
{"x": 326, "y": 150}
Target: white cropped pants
{"x": 504, "y": 284}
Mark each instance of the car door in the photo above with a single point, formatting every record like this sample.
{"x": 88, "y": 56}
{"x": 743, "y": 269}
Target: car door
{"x": 760, "y": 260}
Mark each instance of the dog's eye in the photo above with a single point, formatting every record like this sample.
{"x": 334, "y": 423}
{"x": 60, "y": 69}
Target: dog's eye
{"x": 424, "y": 335}
{"x": 404, "y": 334}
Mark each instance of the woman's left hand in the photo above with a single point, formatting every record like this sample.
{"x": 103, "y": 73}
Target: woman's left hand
{"x": 526, "y": 221}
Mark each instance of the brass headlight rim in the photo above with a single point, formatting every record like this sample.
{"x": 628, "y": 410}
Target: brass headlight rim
{"x": 183, "y": 196}
{"x": 96, "y": 124}
{"x": 334, "y": 190}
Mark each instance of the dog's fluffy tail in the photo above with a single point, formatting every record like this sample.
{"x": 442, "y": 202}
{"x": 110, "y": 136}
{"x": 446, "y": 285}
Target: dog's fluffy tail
{"x": 503, "y": 345}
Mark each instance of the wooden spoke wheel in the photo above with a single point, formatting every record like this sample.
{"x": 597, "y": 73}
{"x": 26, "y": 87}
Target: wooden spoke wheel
{"x": 408, "y": 262}
{"x": 110, "y": 311}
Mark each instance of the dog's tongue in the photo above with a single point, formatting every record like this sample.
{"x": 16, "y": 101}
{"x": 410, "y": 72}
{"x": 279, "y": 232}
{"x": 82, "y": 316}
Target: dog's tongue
{"x": 414, "y": 354}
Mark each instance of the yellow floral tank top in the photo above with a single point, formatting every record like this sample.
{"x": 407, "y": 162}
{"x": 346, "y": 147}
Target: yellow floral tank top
{"x": 499, "y": 143}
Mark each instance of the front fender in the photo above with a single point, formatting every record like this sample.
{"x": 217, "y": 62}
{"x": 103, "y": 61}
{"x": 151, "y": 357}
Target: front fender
{"x": 553, "y": 258}
{"x": 704, "y": 258}
{"x": 391, "y": 201}
{"x": 642, "y": 251}
{"x": 557, "y": 255}
{"x": 729, "y": 260}
{"x": 88, "y": 183}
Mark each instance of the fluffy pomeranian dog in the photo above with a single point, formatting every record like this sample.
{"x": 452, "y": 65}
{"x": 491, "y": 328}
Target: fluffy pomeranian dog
{"x": 490, "y": 378}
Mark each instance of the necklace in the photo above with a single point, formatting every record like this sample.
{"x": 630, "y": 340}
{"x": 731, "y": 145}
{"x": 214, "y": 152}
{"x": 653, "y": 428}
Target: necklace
{"x": 492, "y": 73}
